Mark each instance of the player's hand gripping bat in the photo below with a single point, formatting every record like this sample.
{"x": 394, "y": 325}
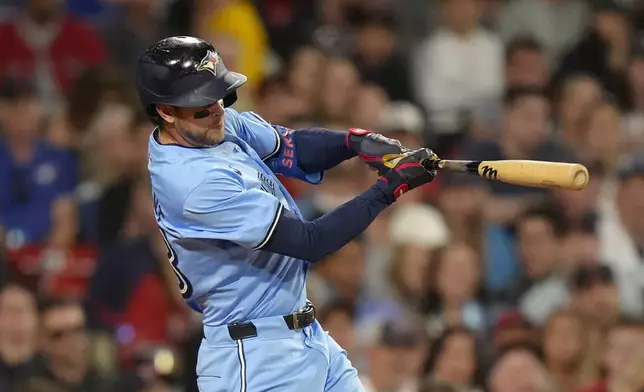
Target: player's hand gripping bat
{"x": 541, "y": 174}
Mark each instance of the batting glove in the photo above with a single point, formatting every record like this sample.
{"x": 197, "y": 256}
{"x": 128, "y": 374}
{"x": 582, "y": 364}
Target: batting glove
{"x": 410, "y": 171}
{"x": 375, "y": 150}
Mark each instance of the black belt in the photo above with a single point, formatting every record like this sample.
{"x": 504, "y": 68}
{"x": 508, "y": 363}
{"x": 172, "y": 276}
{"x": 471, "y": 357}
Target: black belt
{"x": 298, "y": 320}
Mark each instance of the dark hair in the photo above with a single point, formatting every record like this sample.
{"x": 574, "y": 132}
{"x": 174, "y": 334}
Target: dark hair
{"x": 586, "y": 276}
{"x": 47, "y": 304}
{"x": 629, "y": 322}
{"x": 514, "y": 94}
{"x": 551, "y": 213}
{"x": 438, "y": 347}
{"x": 375, "y": 19}
{"x": 432, "y": 301}
{"x": 522, "y": 44}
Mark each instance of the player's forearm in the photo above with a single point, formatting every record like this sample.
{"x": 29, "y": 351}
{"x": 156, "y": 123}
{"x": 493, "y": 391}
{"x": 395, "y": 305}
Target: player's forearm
{"x": 314, "y": 240}
{"x": 320, "y": 149}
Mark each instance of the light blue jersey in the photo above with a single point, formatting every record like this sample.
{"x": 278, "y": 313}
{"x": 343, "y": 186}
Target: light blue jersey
{"x": 215, "y": 206}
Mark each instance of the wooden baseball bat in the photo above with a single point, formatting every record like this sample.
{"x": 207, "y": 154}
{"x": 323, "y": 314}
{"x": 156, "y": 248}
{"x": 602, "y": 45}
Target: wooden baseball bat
{"x": 541, "y": 174}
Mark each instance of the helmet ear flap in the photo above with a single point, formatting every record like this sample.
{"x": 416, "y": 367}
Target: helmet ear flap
{"x": 230, "y": 99}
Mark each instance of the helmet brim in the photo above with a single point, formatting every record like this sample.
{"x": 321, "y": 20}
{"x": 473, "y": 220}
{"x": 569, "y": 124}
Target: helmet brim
{"x": 202, "y": 89}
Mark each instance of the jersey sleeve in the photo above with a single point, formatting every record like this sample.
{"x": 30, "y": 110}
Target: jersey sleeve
{"x": 221, "y": 208}
{"x": 257, "y": 132}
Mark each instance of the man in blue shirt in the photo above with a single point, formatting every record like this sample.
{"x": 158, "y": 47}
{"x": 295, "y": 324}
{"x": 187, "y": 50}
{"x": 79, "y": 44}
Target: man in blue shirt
{"x": 235, "y": 237}
{"x": 37, "y": 180}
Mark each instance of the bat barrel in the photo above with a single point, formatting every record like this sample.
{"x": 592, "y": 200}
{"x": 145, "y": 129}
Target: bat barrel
{"x": 541, "y": 174}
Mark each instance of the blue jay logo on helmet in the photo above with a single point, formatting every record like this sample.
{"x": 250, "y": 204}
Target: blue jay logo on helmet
{"x": 209, "y": 62}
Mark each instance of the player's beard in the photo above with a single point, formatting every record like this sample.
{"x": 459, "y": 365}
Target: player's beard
{"x": 211, "y": 136}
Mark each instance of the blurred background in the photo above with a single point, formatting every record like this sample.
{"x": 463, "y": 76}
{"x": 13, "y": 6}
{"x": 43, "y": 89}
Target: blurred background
{"x": 463, "y": 285}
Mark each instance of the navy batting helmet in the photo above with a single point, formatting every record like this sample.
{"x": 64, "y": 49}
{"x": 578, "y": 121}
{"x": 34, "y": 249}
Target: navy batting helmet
{"x": 185, "y": 72}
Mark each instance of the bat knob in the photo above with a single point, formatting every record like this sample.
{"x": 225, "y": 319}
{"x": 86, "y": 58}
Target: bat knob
{"x": 580, "y": 177}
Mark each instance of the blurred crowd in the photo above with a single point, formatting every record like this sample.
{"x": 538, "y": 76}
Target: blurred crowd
{"x": 463, "y": 285}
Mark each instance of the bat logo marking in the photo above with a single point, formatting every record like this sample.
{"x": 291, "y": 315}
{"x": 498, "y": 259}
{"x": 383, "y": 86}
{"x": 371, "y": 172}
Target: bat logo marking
{"x": 489, "y": 172}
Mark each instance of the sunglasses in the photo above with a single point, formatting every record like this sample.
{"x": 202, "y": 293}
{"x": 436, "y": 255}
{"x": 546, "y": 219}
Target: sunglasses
{"x": 64, "y": 332}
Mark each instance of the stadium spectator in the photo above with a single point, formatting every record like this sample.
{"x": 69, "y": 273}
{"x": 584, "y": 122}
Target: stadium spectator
{"x": 564, "y": 341}
{"x": 47, "y": 45}
{"x": 37, "y": 180}
{"x": 453, "y": 358}
{"x": 65, "y": 348}
{"x": 454, "y": 292}
{"x": 623, "y": 358}
{"x": 458, "y": 67}
{"x": 603, "y": 52}
{"x": 519, "y": 361}
{"x": 621, "y": 234}
{"x": 526, "y": 64}
{"x": 18, "y": 336}
{"x": 556, "y": 25}
{"x": 540, "y": 289}
{"x": 395, "y": 358}
{"x": 378, "y": 60}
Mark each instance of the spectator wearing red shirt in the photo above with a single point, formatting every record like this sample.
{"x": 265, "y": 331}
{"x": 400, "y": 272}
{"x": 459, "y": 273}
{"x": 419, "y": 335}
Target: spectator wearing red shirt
{"x": 49, "y": 46}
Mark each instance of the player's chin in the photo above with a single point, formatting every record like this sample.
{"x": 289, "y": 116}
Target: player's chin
{"x": 215, "y": 134}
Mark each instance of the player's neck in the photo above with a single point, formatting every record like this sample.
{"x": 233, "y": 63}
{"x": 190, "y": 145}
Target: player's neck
{"x": 169, "y": 136}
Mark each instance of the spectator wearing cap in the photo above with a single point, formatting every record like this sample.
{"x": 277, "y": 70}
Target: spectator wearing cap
{"x": 395, "y": 357}
{"x": 621, "y": 234}
{"x": 404, "y": 121}
{"x": 453, "y": 358}
{"x": 396, "y": 284}
{"x": 510, "y": 329}
{"x": 603, "y": 52}
{"x": 46, "y": 44}
{"x": 37, "y": 180}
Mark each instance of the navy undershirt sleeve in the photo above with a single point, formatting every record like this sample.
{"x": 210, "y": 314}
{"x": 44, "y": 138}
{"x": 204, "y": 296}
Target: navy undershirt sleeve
{"x": 314, "y": 240}
{"x": 320, "y": 149}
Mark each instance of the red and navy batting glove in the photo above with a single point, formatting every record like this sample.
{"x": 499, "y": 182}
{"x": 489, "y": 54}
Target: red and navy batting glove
{"x": 410, "y": 171}
{"x": 375, "y": 150}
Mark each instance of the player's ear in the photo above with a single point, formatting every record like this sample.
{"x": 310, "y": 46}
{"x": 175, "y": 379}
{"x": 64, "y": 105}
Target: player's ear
{"x": 166, "y": 112}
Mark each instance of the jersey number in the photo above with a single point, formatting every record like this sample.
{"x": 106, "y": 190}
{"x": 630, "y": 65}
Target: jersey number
{"x": 184, "y": 285}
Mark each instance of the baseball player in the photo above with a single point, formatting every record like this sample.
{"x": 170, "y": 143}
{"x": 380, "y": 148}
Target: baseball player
{"x": 235, "y": 237}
